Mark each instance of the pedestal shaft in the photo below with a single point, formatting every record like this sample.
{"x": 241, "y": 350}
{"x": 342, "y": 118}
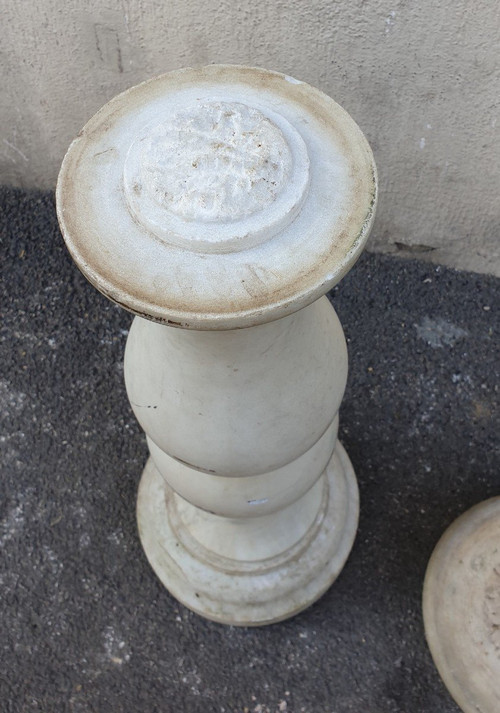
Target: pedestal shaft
{"x": 240, "y": 404}
{"x": 245, "y": 511}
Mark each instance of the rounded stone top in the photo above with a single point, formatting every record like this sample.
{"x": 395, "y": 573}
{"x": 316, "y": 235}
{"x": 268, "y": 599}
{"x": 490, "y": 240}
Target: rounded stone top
{"x": 461, "y": 606}
{"x": 217, "y": 197}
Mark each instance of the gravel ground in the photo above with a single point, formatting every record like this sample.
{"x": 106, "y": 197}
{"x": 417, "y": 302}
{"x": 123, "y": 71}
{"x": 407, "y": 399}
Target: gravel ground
{"x": 87, "y": 627}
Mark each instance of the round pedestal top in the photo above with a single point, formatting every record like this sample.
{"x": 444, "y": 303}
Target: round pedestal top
{"x": 217, "y": 197}
{"x": 462, "y": 608}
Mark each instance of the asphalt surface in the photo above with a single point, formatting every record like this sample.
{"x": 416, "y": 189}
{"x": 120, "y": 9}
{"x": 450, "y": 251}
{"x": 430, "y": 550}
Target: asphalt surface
{"x": 86, "y": 625}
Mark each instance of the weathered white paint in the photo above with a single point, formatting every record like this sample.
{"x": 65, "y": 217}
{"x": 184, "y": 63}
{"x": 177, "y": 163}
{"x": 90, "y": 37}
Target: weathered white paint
{"x": 395, "y": 66}
{"x": 248, "y": 505}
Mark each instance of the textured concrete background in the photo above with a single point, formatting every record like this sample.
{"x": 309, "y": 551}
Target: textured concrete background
{"x": 421, "y": 79}
{"x": 86, "y": 627}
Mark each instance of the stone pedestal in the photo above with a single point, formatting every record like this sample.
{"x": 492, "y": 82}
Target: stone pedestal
{"x": 219, "y": 204}
{"x": 462, "y": 608}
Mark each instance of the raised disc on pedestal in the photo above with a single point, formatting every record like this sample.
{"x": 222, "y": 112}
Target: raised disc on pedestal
{"x": 461, "y": 605}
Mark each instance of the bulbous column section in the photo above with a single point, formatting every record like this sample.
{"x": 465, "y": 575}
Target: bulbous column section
{"x": 219, "y": 205}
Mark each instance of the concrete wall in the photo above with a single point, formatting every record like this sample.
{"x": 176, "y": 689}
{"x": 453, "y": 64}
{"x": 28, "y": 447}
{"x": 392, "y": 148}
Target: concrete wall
{"x": 421, "y": 79}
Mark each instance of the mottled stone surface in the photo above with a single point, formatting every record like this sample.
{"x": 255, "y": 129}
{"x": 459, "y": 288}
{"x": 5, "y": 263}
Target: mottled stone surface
{"x": 234, "y": 161}
{"x": 86, "y": 625}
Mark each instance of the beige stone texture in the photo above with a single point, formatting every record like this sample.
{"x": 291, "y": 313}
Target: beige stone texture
{"x": 421, "y": 79}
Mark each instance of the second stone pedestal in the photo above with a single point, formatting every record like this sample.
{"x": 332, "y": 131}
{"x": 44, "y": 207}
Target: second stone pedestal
{"x": 461, "y": 606}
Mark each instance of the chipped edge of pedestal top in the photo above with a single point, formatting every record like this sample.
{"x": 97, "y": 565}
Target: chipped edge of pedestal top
{"x": 218, "y": 197}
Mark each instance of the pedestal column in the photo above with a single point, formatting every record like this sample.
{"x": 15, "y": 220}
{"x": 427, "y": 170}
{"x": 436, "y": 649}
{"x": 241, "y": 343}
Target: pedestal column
{"x": 219, "y": 204}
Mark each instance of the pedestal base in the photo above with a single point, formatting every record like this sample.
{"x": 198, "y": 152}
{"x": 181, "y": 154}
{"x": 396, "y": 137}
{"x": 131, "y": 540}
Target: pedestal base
{"x": 250, "y": 588}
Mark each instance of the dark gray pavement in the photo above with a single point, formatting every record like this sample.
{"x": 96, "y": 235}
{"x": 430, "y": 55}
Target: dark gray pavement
{"x": 86, "y": 626}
